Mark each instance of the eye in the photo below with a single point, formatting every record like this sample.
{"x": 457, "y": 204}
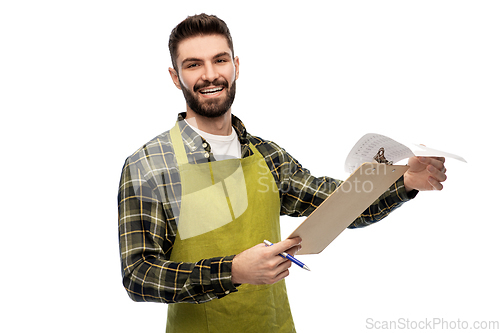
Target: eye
{"x": 191, "y": 65}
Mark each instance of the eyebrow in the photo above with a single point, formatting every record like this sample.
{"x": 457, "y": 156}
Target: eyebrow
{"x": 218, "y": 55}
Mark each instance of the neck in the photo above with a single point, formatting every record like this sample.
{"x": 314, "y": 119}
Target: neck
{"x": 218, "y": 126}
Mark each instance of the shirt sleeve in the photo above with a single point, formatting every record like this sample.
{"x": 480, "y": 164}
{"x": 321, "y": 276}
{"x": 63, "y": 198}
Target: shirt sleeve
{"x": 146, "y": 239}
{"x": 301, "y": 193}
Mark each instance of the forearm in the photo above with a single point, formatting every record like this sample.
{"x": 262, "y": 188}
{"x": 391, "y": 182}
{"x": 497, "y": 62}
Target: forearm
{"x": 301, "y": 193}
{"x": 156, "y": 280}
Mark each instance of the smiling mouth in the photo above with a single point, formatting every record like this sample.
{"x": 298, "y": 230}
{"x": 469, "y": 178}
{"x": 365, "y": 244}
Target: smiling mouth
{"x": 211, "y": 91}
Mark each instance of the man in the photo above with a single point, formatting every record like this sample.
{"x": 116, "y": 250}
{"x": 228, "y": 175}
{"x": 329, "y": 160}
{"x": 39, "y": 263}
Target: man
{"x": 197, "y": 201}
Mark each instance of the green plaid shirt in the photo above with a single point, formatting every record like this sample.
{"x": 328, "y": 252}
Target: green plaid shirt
{"x": 149, "y": 204}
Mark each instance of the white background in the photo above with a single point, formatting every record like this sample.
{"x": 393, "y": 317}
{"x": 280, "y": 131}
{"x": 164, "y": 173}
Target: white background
{"x": 85, "y": 83}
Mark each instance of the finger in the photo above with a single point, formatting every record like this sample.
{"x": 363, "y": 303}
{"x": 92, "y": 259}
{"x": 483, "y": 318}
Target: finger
{"x": 294, "y": 250}
{"x": 282, "y": 268}
{"x": 435, "y": 184}
{"x": 437, "y": 162}
{"x": 285, "y": 245}
{"x": 278, "y": 260}
{"x": 430, "y": 159}
{"x": 281, "y": 276}
{"x": 436, "y": 173}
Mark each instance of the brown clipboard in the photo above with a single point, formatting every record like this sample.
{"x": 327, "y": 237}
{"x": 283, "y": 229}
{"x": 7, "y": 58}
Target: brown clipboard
{"x": 345, "y": 204}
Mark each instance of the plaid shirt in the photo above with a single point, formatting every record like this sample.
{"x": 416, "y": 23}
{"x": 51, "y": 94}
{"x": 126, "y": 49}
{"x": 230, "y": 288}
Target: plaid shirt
{"x": 149, "y": 204}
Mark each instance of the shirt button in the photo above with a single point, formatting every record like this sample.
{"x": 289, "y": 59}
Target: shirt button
{"x": 205, "y": 145}
{"x": 226, "y": 292}
{"x": 193, "y": 148}
{"x": 207, "y": 155}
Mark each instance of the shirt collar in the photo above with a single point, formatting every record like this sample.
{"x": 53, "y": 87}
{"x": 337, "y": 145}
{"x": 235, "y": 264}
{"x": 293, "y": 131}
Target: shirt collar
{"x": 191, "y": 136}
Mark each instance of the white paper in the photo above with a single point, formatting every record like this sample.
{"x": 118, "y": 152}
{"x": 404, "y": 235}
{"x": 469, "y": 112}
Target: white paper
{"x": 426, "y": 151}
{"x": 368, "y": 146}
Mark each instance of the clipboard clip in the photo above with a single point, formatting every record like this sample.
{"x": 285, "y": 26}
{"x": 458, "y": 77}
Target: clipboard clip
{"x": 380, "y": 158}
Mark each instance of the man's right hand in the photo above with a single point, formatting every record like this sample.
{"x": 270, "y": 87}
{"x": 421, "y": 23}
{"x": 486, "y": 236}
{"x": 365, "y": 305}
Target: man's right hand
{"x": 262, "y": 264}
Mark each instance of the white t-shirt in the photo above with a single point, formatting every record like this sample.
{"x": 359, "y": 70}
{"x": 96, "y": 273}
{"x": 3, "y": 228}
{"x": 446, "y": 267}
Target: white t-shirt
{"x": 223, "y": 146}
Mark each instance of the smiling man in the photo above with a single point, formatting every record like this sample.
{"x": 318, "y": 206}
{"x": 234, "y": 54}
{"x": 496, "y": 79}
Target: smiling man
{"x": 211, "y": 96}
{"x": 208, "y": 80}
{"x": 197, "y": 201}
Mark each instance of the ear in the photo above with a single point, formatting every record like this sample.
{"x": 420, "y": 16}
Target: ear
{"x": 175, "y": 77}
{"x": 237, "y": 67}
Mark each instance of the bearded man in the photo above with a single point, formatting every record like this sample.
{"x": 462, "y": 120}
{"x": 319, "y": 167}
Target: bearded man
{"x": 197, "y": 201}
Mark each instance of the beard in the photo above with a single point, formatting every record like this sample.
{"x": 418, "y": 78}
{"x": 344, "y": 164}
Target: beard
{"x": 210, "y": 108}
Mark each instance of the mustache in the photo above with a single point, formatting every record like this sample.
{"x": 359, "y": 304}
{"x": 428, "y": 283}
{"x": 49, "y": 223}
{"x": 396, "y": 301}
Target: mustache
{"x": 218, "y": 82}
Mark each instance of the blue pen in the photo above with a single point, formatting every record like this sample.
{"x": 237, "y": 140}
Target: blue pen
{"x": 289, "y": 257}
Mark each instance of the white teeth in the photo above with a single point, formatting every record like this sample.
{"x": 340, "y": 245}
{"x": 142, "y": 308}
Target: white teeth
{"x": 211, "y": 91}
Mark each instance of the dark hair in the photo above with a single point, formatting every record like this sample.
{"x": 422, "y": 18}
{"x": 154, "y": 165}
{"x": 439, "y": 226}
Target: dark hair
{"x": 197, "y": 25}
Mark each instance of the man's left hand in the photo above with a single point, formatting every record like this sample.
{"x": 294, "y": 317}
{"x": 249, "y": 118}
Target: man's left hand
{"x": 425, "y": 174}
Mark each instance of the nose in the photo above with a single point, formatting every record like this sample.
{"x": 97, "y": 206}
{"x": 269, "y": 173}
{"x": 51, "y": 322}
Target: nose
{"x": 210, "y": 73}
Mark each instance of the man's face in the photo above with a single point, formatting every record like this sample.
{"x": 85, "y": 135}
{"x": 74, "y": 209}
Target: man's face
{"x": 206, "y": 75}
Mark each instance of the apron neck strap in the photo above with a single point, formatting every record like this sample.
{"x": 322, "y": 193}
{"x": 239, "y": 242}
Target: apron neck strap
{"x": 178, "y": 144}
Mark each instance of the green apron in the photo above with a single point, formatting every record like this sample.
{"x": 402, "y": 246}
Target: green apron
{"x": 227, "y": 207}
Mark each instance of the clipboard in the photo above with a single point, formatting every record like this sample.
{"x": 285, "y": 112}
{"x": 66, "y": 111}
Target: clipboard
{"x": 365, "y": 185}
